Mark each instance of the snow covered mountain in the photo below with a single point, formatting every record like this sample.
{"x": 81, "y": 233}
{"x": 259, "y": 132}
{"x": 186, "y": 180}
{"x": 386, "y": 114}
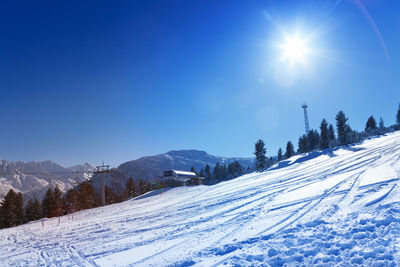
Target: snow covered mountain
{"x": 33, "y": 178}
{"x": 151, "y": 167}
{"x": 336, "y": 207}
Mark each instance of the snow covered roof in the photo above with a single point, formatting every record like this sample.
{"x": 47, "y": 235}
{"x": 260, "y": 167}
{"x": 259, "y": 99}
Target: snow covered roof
{"x": 185, "y": 173}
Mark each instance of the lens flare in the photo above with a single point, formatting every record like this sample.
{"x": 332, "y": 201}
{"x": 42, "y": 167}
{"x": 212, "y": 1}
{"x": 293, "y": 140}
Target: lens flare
{"x": 294, "y": 49}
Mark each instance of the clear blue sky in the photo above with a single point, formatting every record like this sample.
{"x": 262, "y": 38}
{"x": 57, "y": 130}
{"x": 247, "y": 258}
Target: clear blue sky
{"x": 115, "y": 80}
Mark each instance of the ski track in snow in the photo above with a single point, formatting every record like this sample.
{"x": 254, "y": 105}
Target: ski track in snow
{"x": 341, "y": 207}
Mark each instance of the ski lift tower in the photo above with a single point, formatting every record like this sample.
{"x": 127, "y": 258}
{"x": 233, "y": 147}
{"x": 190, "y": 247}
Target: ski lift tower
{"x": 307, "y": 125}
{"x": 101, "y": 170}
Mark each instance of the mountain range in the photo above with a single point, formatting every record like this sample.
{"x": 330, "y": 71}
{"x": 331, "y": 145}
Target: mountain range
{"x": 33, "y": 178}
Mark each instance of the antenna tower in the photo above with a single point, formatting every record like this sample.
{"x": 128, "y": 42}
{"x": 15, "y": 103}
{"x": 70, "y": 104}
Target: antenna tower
{"x": 307, "y": 125}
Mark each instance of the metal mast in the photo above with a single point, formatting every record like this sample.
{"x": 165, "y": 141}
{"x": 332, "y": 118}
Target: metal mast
{"x": 103, "y": 169}
{"x": 307, "y": 125}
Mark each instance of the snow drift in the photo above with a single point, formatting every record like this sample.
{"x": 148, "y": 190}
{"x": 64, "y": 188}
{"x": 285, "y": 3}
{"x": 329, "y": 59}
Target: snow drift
{"x": 337, "y": 206}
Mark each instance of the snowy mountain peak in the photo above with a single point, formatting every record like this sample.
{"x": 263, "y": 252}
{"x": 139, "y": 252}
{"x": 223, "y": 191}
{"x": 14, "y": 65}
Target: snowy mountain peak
{"x": 33, "y": 178}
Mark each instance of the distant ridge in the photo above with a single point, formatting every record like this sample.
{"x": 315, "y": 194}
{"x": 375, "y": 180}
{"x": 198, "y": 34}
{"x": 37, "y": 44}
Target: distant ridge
{"x": 33, "y": 178}
{"x": 150, "y": 167}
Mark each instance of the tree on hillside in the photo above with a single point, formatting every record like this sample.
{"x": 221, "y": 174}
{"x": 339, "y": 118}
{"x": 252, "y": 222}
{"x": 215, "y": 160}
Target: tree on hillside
{"x": 110, "y": 195}
{"x": 223, "y": 172}
{"x": 33, "y": 210}
{"x": 201, "y": 173}
{"x": 312, "y": 140}
{"x": 87, "y": 196}
{"x": 143, "y": 187}
{"x": 331, "y": 135}
{"x": 57, "y": 211}
{"x": 303, "y": 144}
{"x": 48, "y": 203}
{"x": 11, "y": 210}
{"x": 289, "y": 150}
{"x": 130, "y": 189}
{"x": 381, "y": 124}
{"x": 280, "y": 154}
{"x": 260, "y": 152}
{"x": 70, "y": 201}
{"x": 331, "y": 132}
{"x": 371, "y": 124}
{"x": 19, "y": 208}
{"x": 234, "y": 169}
{"x": 342, "y": 128}
{"x": 398, "y": 116}
{"x": 324, "y": 143}
{"x": 207, "y": 171}
{"x": 216, "y": 171}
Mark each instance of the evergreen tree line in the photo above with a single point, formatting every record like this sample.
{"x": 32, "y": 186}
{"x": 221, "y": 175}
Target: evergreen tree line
{"x": 220, "y": 172}
{"x": 54, "y": 203}
{"x": 325, "y": 138}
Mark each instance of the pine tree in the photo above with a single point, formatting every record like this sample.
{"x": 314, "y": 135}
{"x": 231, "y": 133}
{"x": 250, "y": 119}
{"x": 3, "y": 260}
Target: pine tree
{"x": 8, "y": 210}
{"x": 71, "y": 201}
{"x": 19, "y": 209}
{"x": 235, "y": 169}
{"x": 29, "y": 211}
{"x": 289, "y": 150}
{"x": 142, "y": 187}
{"x": 313, "y": 140}
{"x": 371, "y": 124}
{"x": 201, "y": 174}
{"x": 303, "y": 144}
{"x": 223, "y": 172}
{"x": 280, "y": 154}
{"x": 342, "y": 128}
{"x": 37, "y": 210}
{"x": 57, "y": 209}
{"x": 130, "y": 189}
{"x": 260, "y": 152}
{"x": 324, "y": 135}
{"x": 398, "y": 117}
{"x": 381, "y": 124}
{"x": 110, "y": 196}
{"x": 207, "y": 171}
{"x": 48, "y": 203}
{"x": 87, "y": 196}
{"x": 193, "y": 170}
{"x": 33, "y": 210}
{"x": 216, "y": 172}
{"x": 331, "y": 132}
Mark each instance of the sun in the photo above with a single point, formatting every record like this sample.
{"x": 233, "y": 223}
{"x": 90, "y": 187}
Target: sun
{"x": 294, "y": 49}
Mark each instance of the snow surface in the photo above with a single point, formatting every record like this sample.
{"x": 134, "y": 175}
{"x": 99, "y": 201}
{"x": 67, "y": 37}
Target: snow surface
{"x": 336, "y": 207}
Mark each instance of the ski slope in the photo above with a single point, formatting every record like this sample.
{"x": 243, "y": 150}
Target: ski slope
{"x": 334, "y": 207}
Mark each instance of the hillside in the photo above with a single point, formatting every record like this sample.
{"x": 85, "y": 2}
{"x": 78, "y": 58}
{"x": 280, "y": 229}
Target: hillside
{"x": 151, "y": 167}
{"x": 337, "y": 206}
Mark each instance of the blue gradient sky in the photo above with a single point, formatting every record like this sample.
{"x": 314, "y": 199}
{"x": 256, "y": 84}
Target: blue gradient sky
{"x": 95, "y": 80}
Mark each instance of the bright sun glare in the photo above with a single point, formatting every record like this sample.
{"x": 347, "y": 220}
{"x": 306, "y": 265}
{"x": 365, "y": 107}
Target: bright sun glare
{"x": 294, "y": 50}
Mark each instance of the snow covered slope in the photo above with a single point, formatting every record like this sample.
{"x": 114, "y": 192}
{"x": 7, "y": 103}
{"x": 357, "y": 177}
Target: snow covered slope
{"x": 340, "y": 206}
